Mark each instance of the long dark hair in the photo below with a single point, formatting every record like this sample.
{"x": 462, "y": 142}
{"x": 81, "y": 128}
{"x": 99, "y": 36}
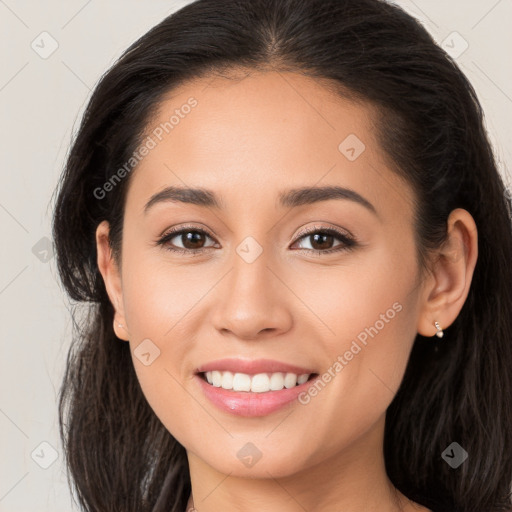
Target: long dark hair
{"x": 118, "y": 453}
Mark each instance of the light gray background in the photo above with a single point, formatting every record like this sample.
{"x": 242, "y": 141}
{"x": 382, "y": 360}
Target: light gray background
{"x": 41, "y": 101}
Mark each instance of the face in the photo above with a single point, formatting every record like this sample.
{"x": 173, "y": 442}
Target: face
{"x": 276, "y": 280}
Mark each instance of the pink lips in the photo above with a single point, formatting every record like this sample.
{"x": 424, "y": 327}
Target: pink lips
{"x": 245, "y": 403}
{"x": 252, "y": 367}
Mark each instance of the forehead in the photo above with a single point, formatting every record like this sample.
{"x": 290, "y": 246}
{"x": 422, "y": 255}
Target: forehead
{"x": 251, "y": 136}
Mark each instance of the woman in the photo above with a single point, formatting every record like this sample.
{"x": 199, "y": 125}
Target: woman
{"x": 296, "y": 243}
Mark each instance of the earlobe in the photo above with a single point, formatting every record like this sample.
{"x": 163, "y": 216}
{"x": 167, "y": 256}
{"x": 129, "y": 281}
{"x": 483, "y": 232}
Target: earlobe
{"x": 111, "y": 277}
{"x": 120, "y": 331}
{"x": 448, "y": 284}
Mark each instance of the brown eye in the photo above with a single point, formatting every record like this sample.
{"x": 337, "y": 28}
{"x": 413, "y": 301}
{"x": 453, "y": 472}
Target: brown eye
{"x": 191, "y": 240}
{"x": 323, "y": 241}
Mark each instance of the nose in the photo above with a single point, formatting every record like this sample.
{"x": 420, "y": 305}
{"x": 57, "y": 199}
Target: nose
{"x": 253, "y": 301}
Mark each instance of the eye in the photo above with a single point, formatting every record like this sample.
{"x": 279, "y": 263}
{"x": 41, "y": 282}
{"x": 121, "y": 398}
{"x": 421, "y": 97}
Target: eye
{"x": 323, "y": 238}
{"x": 191, "y": 238}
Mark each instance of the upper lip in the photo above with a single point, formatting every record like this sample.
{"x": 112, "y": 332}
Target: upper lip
{"x": 252, "y": 366}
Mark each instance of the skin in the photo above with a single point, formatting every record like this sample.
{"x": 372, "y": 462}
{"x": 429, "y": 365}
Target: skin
{"x": 246, "y": 140}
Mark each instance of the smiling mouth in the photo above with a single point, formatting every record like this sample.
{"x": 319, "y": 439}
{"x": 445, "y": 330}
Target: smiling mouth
{"x": 257, "y": 383}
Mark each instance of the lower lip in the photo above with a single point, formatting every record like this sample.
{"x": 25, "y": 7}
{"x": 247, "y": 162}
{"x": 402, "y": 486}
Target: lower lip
{"x": 244, "y": 403}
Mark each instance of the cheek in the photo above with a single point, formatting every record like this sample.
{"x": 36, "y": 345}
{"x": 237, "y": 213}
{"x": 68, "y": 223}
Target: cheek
{"x": 157, "y": 301}
{"x": 381, "y": 321}
{"x": 158, "y": 295}
{"x": 159, "y": 312}
{"x": 368, "y": 312}
{"x": 372, "y": 297}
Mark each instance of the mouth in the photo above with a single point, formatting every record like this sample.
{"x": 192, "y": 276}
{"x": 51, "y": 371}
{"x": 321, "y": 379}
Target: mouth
{"x": 253, "y": 387}
{"x": 255, "y": 383}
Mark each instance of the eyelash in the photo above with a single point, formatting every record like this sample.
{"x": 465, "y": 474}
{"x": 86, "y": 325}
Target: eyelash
{"x": 348, "y": 242}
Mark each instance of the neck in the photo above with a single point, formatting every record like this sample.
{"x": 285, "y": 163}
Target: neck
{"x": 351, "y": 479}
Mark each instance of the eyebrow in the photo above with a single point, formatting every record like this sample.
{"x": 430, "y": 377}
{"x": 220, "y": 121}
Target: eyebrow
{"x": 288, "y": 198}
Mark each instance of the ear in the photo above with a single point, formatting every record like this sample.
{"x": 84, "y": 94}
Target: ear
{"x": 447, "y": 285}
{"x": 112, "y": 278}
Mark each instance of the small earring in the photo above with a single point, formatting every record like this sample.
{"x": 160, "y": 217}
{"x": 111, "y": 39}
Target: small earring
{"x": 439, "y": 332}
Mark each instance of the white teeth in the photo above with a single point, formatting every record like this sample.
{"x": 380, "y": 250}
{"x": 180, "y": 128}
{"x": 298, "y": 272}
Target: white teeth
{"x": 302, "y": 378}
{"x": 277, "y": 381}
{"x": 216, "y": 379}
{"x": 227, "y": 380}
{"x": 241, "y": 382}
{"x": 290, "y": 380}
{"x": 259, "y": 383}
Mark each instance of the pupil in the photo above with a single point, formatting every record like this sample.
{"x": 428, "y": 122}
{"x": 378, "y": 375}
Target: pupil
{"x": 193, "y": 236}
{"x": 327, "y": 240}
